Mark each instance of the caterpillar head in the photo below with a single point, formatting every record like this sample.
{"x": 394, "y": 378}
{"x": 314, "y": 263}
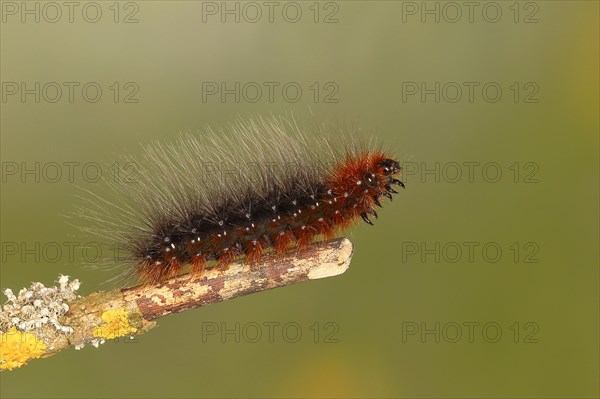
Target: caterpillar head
{"x": 378, "y": 182}
{"x": 380, "y": 177}
{"x": 388, "y": 167}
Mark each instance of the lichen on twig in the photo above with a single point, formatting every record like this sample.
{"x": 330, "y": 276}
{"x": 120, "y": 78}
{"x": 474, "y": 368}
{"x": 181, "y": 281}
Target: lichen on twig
{"x": 40, "y": 321}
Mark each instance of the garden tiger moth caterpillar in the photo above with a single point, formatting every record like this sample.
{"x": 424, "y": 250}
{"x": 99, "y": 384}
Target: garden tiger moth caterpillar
{"x": 259, "y": 185}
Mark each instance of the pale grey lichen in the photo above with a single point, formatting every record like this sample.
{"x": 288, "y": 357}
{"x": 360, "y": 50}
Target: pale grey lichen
{"x": 97, "y": 342}
{"x": 38, "y": 306}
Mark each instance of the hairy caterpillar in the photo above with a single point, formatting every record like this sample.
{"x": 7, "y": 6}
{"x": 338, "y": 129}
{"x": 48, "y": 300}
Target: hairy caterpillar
{"x": 259, "y": 185}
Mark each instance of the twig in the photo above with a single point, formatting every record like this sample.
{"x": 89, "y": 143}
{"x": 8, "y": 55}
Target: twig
{"x": 132, "y": 311}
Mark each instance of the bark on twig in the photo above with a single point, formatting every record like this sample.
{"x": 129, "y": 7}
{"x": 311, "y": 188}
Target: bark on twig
{"x": 132, "y": 311}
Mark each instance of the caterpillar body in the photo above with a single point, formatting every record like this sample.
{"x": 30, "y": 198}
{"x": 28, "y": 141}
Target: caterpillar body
{"x": 261, "y": 185}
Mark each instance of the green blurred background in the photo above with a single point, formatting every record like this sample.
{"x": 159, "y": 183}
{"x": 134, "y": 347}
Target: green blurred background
{"x": 542, "y": 135}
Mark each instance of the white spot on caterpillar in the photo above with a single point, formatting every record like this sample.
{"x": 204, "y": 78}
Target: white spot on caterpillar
{"x": 358, "y": 183}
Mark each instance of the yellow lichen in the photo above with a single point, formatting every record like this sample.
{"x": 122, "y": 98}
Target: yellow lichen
{"x": 115, "y": 324}
{"x": 17, "y": 347}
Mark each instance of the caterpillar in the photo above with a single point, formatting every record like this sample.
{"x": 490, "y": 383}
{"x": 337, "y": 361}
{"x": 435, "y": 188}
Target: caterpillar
{"x": 259, "y": 185}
